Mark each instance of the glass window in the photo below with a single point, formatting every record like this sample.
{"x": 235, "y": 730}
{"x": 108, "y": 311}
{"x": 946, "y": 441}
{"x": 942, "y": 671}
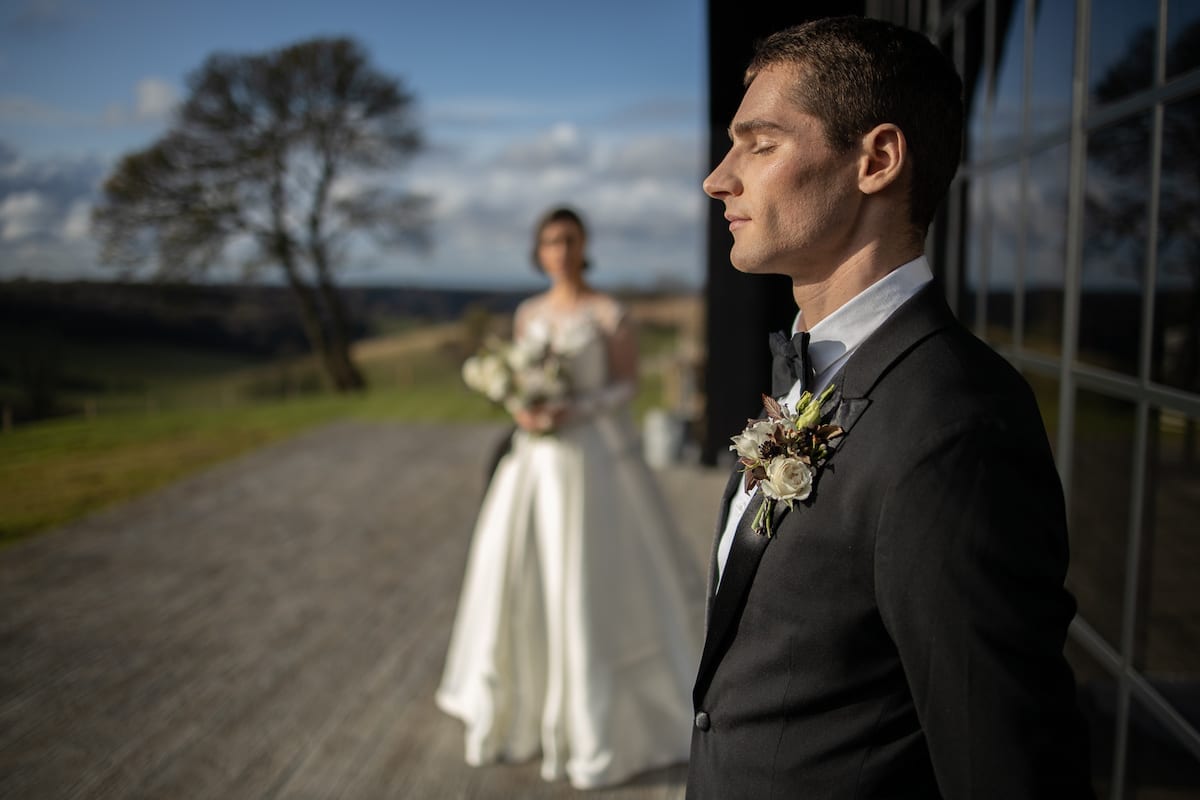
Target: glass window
{"x": 1169, "y": 619}
{"x": 1121, "y": 60}
{"x": 1158, "y": 766}
{"x": 975, "y": 85}
{"x": 1100, "y": 507}
{"x": 1053, "y": 63}
{"x": 1183, "y": 36}
{"x": 1046, "y": 249}
{"x": 1114, "y": 245}
{"x": 1004, "y": 209}
{"x": 1010, "y": 58}
{"x": 1045, "y": 389}
{"x": 1168, "y": 633}
{"x": 974, "y": 269}
{"x": 1175, "y": 355}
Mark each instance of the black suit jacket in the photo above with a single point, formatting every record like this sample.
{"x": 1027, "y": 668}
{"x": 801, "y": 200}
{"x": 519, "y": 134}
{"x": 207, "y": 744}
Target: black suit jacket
{"x": 901, "y": 634}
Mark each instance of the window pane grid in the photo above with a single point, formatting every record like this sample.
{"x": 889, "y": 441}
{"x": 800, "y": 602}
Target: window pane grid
{"x": 1076, "y": 207}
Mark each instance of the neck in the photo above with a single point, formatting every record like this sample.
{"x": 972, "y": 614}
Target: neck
{"x": 568, "y": 292}
{"x": 837, "y": 286}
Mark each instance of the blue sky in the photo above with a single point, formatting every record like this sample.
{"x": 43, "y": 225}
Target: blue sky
{"x": 524, "y": 104}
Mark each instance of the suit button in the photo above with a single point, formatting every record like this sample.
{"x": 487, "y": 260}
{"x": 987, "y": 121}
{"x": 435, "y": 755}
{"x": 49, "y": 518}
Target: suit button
{"x": 702, "y": 721}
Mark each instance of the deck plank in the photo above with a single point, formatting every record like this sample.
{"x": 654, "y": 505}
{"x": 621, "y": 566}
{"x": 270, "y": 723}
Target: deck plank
{"x": 273, "y": 627}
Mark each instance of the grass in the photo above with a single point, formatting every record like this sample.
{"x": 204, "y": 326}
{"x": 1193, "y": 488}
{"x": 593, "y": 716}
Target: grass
{"x": 55, "y": 471}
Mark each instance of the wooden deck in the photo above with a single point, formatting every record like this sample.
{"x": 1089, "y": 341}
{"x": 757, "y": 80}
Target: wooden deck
{"x": 271, "y": 628}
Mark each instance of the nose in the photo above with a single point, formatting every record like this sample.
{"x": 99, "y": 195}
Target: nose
{"x": 721, "y": 182}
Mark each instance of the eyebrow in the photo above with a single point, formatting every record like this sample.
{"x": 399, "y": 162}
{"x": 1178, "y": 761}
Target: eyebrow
{"x": 748, "y": 126}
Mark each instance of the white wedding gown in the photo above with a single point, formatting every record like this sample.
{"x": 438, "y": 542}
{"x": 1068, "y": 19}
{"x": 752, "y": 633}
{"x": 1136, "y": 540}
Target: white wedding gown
{"x": 578, "y": 629}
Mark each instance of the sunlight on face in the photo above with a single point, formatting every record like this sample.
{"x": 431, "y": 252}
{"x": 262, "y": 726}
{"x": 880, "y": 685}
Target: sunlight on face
{"x": 789, "y": 198}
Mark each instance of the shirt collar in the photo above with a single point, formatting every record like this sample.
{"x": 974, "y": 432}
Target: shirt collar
{"x": 845, "y": 329}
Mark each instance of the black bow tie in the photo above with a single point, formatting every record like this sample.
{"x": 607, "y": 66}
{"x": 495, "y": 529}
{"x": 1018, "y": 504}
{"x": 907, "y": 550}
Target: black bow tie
{"x": 790, "y": 362}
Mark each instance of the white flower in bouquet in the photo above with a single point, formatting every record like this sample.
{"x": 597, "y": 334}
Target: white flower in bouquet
{"x": 519, "y": 374}
{"x": 543, "y": 382}
{"x": 488, "y": 373}
{"x": 524, "y": 354}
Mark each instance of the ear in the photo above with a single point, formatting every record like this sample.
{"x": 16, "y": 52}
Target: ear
{"x": 882, "y": 159}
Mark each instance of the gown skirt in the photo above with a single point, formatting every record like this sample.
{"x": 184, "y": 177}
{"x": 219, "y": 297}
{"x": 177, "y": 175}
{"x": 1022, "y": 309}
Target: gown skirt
{"x": 578, "y": 628}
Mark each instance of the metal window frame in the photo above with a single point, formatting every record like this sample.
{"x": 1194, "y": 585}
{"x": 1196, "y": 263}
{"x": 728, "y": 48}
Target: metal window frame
{"x": 1072, "y": 375}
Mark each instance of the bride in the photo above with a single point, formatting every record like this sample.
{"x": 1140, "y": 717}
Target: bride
{"x": 577, "y": 631}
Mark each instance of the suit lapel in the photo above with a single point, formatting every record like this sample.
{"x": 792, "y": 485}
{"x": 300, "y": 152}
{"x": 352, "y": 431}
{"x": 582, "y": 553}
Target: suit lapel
{"x": 731, "y": 486}
{"x": 920, "y": 317}
{"x": 923, "y": 315}
{"x": 725, "y": 607}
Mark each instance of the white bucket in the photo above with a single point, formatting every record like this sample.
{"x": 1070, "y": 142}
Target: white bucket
{"x": 662, "y": 438}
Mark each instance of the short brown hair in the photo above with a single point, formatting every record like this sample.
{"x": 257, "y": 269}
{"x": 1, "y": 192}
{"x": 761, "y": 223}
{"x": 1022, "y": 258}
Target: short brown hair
{"x": 856, "y": 73}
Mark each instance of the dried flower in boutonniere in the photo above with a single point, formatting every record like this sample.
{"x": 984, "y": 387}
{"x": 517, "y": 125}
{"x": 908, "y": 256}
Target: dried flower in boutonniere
{"x": 521, "y": 374}
{"x": 782, "y": 453}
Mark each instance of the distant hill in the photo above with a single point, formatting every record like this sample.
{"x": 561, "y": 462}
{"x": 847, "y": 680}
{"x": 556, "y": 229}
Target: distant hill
{"x": 254, "y": 319}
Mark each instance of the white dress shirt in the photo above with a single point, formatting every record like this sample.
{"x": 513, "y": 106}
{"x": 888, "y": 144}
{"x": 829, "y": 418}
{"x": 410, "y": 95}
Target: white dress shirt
{"x": 831, "y": 343}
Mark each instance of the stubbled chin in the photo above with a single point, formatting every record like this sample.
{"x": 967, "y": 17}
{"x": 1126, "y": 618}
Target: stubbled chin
{"x": 742, "y": 263}
{"x": 752, "y": 265}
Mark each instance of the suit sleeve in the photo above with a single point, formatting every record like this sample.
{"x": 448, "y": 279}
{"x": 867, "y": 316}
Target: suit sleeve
{"x": 970, "y": 557}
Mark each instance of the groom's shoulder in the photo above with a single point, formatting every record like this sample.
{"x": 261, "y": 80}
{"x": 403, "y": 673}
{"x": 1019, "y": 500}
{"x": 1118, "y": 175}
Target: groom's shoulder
{"x": 953, "y": 373}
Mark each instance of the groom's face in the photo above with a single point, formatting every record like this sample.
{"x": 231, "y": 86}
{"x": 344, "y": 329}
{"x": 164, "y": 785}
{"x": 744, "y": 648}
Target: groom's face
{"x": 791, "y": 200}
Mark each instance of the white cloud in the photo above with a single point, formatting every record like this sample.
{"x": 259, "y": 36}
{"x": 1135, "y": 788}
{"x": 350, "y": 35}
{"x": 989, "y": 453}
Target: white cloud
{"x": 42, "y": 260}
{"x": 664, "y": 156}
{"x": 21, "y": 110}
{"x": 44, "y": 216}
{"x": 153, "y": 102}
{"x": 475, "y": 111}
{"x": 155, "y": 99}
{"x": 78, "y": 223}
{"x": 640, "y": 196}
{"x": 22, "y": 214}
{"x": 562, "y": 145}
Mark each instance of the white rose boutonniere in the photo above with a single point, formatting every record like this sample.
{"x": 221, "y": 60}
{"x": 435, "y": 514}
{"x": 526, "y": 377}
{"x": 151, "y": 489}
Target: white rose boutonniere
{"x": 782, "y": 453}
{"x": 747, "y": 443}
{"x": 787, "y": 479}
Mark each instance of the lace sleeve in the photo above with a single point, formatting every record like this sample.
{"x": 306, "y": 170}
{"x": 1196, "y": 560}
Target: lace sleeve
{"x": 621, "y": 341}
{"x": 611, "y": 315}
{"x": 525, "y": 311}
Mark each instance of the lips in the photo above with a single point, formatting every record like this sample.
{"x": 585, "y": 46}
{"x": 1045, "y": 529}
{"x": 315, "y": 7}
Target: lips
{"x": 736, "y": 221}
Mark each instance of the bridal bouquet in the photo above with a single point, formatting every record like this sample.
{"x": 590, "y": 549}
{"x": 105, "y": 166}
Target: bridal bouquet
{"x": 782, "y": 453}
{"x": 520, "y": 374}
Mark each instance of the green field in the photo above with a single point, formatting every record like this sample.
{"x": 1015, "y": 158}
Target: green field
{"x": 146, "y": 415}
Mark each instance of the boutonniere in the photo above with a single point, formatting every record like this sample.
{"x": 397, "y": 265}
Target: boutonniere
{"x": 782, "y": 453}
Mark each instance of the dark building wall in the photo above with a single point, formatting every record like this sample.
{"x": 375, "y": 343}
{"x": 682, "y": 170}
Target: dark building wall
{"x": 741, "y": 309}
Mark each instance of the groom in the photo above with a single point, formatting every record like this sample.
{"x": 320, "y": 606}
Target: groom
{"x": 899, "y": 633}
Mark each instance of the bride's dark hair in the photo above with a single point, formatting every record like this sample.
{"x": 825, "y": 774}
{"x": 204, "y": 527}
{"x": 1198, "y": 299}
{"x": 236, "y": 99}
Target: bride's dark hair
{"x": 559, "y": 214}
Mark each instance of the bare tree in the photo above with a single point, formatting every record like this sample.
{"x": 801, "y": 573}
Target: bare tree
{"x": 275, "y": 160}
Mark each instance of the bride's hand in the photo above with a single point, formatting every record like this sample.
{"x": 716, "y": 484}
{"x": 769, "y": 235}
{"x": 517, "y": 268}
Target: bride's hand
{"x": 533, "y": 419}
{"x": 540, "y": 419}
